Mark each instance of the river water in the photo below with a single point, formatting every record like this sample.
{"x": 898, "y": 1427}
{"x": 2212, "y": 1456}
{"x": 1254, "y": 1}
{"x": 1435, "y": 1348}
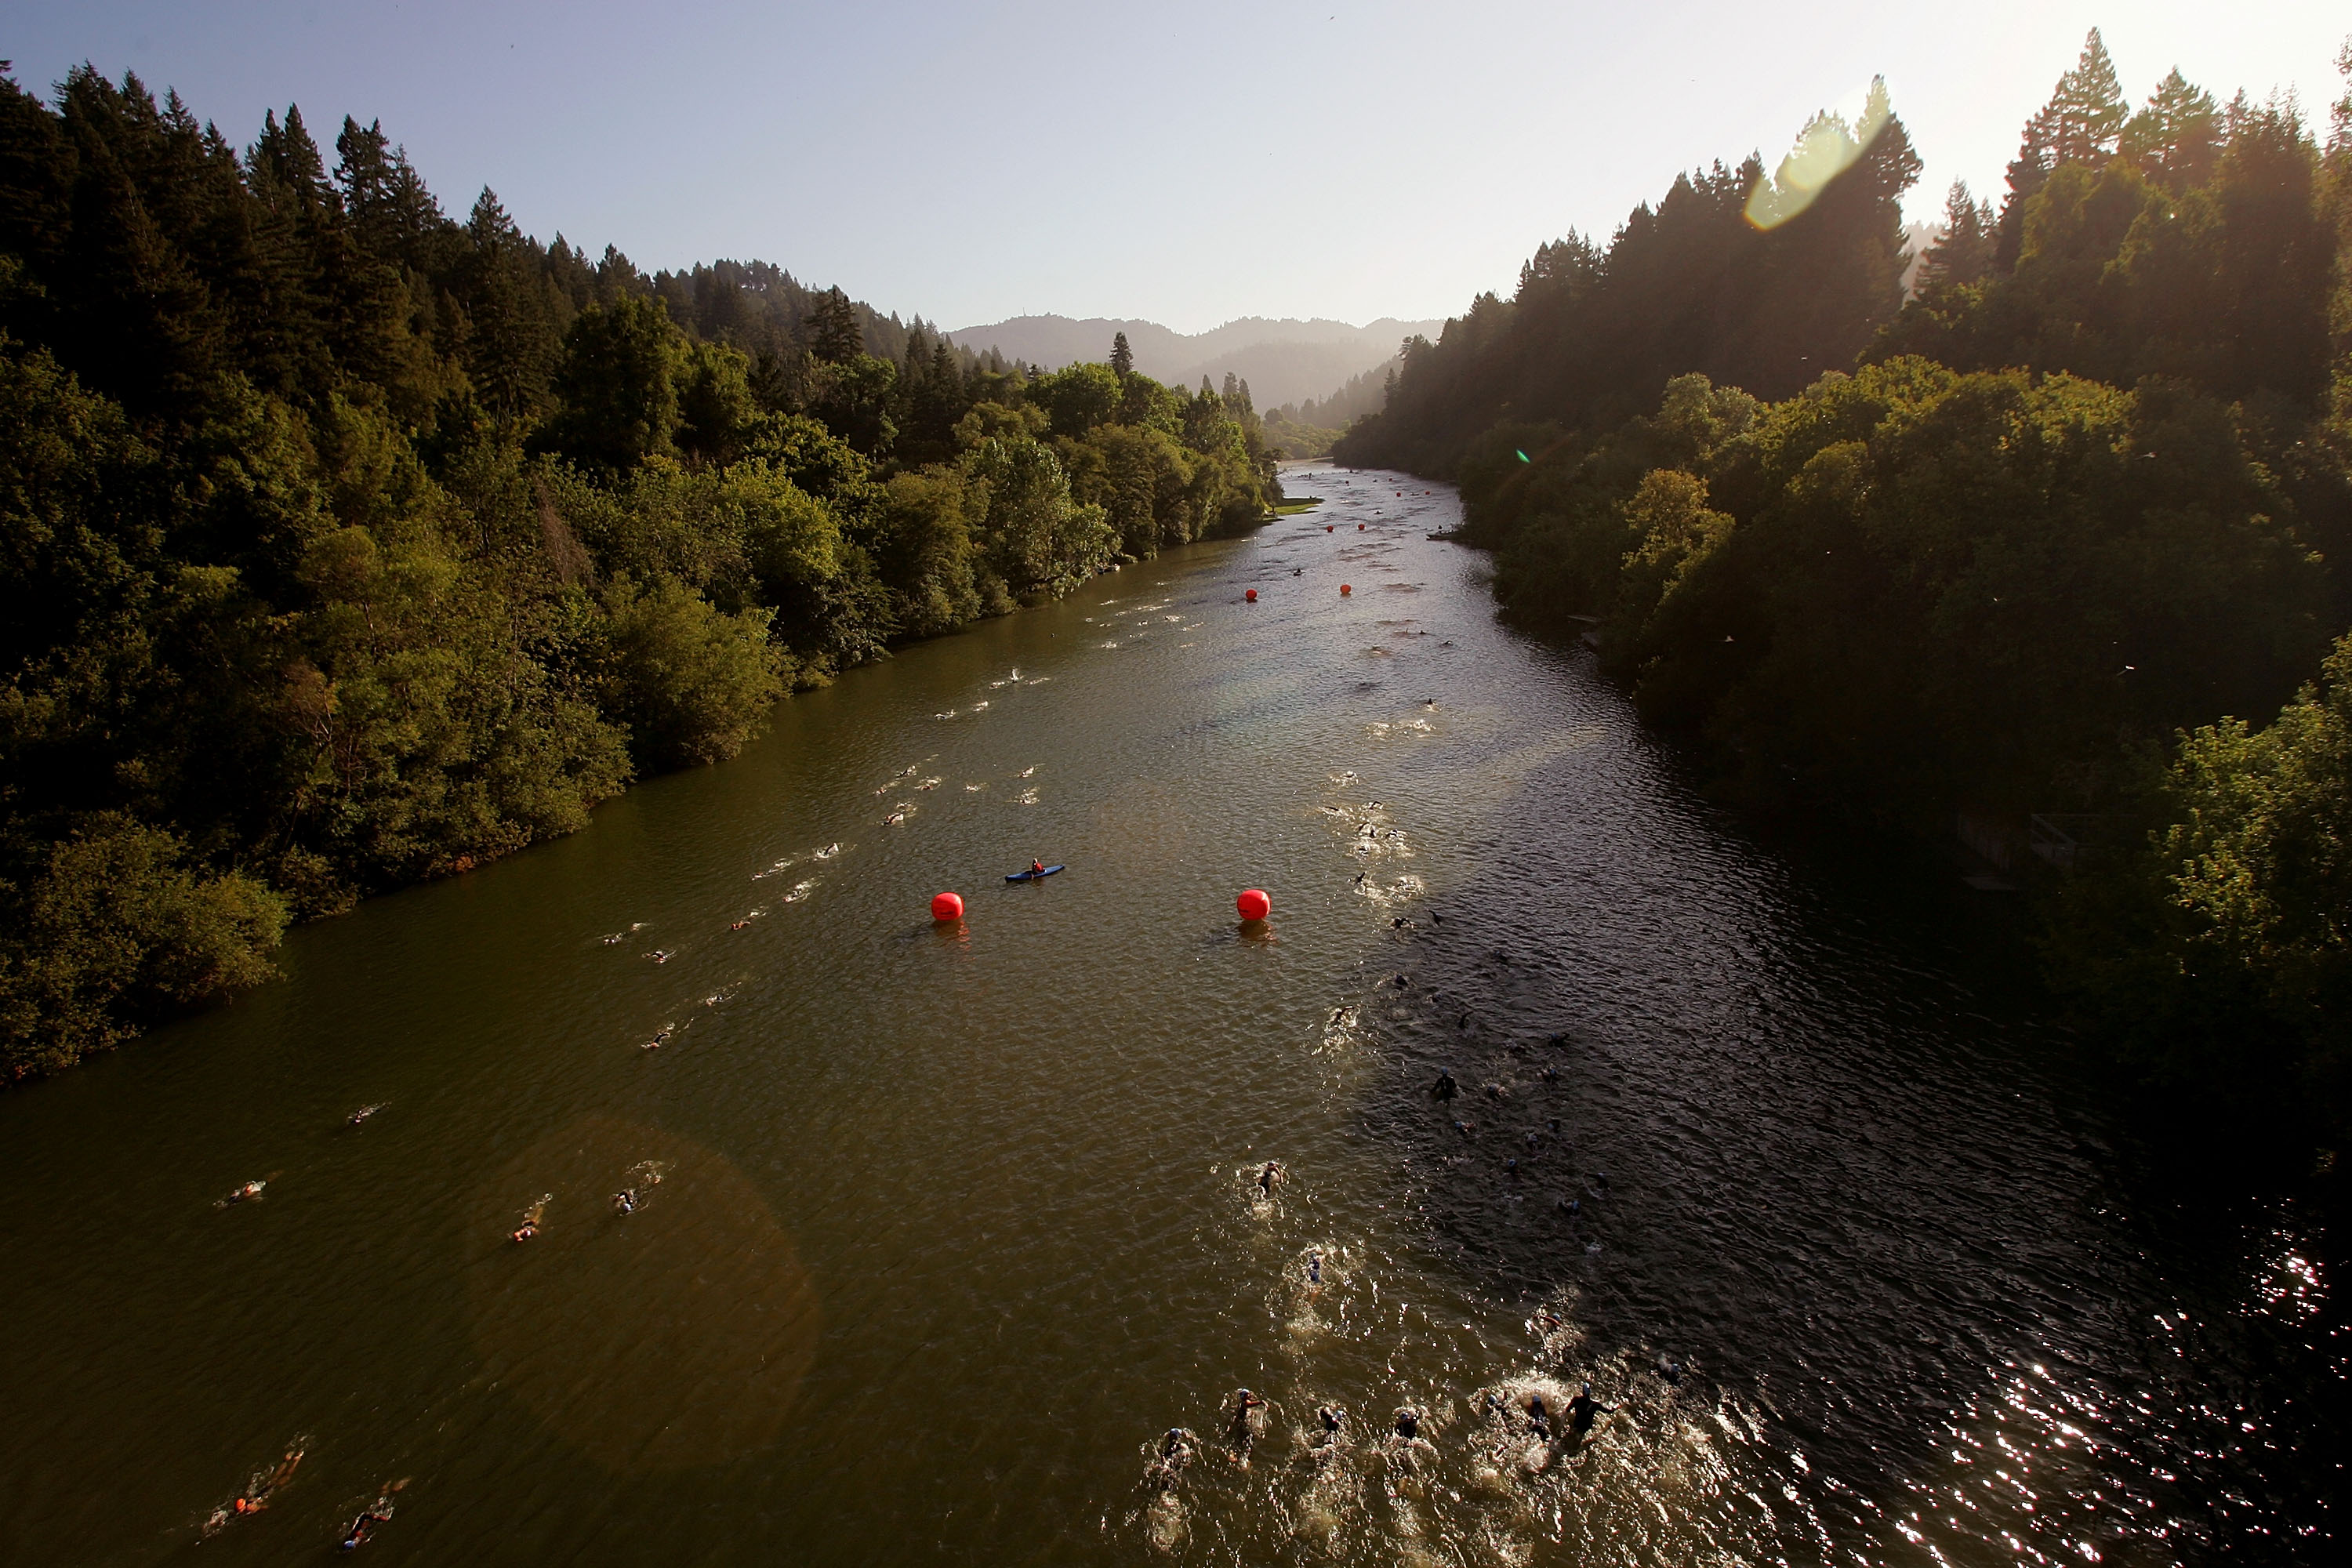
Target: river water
{"x": 939, "y": 1228}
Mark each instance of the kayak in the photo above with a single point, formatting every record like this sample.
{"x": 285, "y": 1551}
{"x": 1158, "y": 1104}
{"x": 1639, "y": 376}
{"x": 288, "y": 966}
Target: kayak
{"x": 1032, "y": 875}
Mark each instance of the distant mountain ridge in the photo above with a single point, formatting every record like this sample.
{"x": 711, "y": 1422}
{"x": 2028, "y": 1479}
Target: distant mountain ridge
{"x": 1284, "y": 361}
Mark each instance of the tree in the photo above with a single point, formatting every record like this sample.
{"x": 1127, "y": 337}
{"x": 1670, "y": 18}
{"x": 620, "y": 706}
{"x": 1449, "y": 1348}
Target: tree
{"x": 1963, "y": 252}
{"x": 1122, "y": 358}
{"x": 2174, "y": 139}
{"x": 616, "y": 391}
{"x": 834, "y": 336}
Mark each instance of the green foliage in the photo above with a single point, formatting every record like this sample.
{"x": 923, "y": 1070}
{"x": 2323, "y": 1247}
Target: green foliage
{"x": 692, "y": 682}
{"x": 343, "y": 544}
{"x": 113, "y": 927}
{"x": 616, "y": 388}
{"x": 2219, "y": 955}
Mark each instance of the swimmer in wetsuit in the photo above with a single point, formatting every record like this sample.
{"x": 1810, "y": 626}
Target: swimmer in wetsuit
{"x": 1583, "y": 1408}
{"x": 1238, "y": 1429}
{"x": 625, "y": 1201}
{"x": 1267, "y": 1180}
{"x": 1408, "y": 1423}
{"x": 1315, "y": 1268}
{"x": 1444, "y": 1088}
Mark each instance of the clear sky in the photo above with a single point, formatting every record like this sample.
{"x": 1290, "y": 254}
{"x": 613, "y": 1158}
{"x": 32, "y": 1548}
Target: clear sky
{"x": 1183, "y": 160}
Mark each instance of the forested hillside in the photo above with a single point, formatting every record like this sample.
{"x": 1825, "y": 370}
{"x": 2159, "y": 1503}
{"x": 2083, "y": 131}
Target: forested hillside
{"x": 2046, "y": 548}
{"x": 345, "y": 543}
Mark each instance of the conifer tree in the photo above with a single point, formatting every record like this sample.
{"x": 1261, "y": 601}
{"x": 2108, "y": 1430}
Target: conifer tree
{"x": 2082, "y": 124}
{"x": 834, "y": 336}
{"x": 2174, "y": 139}
{"x": 1122, "y": 358}
{"x": 1963, "y": 252}
{"x": 2086, "y": 110}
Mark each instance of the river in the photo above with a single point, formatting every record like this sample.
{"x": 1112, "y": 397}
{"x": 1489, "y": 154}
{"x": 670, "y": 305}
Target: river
{"x": 939, "y": 1228}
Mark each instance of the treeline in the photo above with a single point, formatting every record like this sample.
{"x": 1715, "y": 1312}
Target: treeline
{"x": 343, "y": 543}
{"x": 2017, "y": 549}
{"x": 1310, "y": 429}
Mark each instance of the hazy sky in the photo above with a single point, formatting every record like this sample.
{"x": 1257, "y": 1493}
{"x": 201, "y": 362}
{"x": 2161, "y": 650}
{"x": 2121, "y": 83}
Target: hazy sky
{"x": 1187, "y": 161}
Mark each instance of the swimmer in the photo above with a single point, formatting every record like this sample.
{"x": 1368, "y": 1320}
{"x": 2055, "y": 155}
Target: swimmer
{"x": 1408, "y": 1423}
{"x": 1463, "y": 1128}
{"x": 1444, "y": 1088}
{"x": 1551, "y": 1075}
{"x": 1572, "y": 1207}
{"x": 1238, "y": 1429}
{"x": 1538, "y": 1417}
{"x": 1601, "y": 1180}
{"x": 375, "y": 1513}
{"x": 365, "y": 1111}
{"x": 532, "y": 1216}
{"x": 1583, "y": 1408}
{"x": 1315, "y": 1268}
{"x": 238, "y": 1195}
{"x": 1510, "y": 1167}
{"x": 1399, "y": 923}
{"x": 1331, "y": 1416}
{"x": 624, "y": 1201}
{"x": 1531, "y": 1142}
{"x": 1266, "y": 1181}
{"x": 1554, "y": 1124}
{"x": 1670, "y": 1369}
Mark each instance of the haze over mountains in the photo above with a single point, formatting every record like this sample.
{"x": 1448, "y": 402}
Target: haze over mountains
{"x": 1284, "y": 362}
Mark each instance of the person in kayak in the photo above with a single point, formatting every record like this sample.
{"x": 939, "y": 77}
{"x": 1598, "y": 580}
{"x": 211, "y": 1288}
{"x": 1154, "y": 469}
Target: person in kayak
{"x": 1036, "y": 868}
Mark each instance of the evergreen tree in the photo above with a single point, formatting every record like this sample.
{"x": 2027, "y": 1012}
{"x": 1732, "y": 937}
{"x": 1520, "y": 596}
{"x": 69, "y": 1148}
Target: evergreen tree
{"x": 1962, "y": 253}
{"x": 2086, "y": 109}
{"x": 834, "y": 336}
{"x": 1122, "y": 358}
{"x": 2174, "y": 139}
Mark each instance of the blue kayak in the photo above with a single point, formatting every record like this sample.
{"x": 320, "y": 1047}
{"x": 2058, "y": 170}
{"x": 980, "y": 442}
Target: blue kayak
{"x": 1032, "y": 875}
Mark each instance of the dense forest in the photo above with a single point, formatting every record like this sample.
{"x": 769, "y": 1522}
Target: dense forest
{"x": 1309, "y": 429}
{"x": 345, "y": 543}
{"x": 2060, "y": 549}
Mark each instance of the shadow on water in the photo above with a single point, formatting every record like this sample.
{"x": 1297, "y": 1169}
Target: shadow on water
{"x": 1791, "y": 1112}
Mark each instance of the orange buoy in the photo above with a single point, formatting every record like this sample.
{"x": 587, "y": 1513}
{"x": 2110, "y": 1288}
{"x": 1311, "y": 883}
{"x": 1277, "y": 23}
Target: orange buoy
{"x": 1254, "y": 904}
{"x": 947, "y": 905}
{"x": 1345, "y": 589}
{"x": 1251, "y": 595}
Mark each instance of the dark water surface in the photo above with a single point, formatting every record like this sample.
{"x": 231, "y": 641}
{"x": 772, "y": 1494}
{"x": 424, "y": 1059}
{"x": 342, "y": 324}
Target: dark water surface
{"x": 952, "y": 1224}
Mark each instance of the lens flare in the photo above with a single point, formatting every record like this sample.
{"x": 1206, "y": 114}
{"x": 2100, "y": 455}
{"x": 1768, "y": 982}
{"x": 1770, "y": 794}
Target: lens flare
{"x": 1827, "y": 147}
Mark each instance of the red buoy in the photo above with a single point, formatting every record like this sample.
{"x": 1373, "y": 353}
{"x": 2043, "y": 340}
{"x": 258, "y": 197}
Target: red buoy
{"x": 1327, "y": 527}
{"x": 1359, "y": 527}
{"x": 1254, "y": 904}
{"x": 1251, "y": 595}
{"x": 947, "y": 905}
{"x": 1345, "y": 589}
